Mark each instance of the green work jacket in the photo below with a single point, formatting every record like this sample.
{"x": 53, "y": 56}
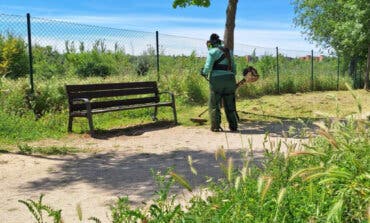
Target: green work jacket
{"x": 213, "y": 55}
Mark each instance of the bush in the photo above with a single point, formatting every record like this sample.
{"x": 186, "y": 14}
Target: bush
{"x": 18, "y": 100}
{"x": 142, "y": 64}
{"x": 48, "y": 63}
{"x": 93, "y": 63}
{"x": 194, "y": 89}
{"x": 13, "y": 57}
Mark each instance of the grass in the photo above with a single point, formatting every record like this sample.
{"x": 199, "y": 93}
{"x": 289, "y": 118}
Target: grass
{"x": 16, "y": 129}
{"x": 303, "y": 106}
{"x": 26, "y": 149}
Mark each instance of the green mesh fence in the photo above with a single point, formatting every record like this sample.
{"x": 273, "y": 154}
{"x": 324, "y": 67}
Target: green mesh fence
{"x": 65, "y": 49}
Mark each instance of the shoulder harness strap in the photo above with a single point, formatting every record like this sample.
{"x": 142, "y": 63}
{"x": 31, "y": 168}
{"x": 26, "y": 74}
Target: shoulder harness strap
{"x": 226, "y": 54}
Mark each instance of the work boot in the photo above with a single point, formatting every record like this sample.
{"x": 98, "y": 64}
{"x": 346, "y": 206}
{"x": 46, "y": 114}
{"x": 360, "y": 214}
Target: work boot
{"x": 233, "y": 129}
{"x": 219, "y": 129}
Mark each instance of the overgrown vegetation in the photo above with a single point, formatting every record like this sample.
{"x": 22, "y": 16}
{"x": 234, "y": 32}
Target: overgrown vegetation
{"x": 46, "y": 150}
{"x": 326, "y": 180}
{"x": 44, "y": 111}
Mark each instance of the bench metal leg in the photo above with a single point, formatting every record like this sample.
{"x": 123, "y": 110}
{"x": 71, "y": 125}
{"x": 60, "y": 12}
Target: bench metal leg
{"x": 154, "y": 117}
{"x": 70, "y": 120}
{"x": 174, "y": 113}
{"x": 91, "y": 124}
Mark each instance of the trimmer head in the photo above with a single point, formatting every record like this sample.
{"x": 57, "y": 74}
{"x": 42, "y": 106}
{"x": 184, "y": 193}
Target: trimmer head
{"x": 199, "y": 121}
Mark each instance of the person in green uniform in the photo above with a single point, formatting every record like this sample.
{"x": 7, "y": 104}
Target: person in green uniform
{"x": 220, "y": 69}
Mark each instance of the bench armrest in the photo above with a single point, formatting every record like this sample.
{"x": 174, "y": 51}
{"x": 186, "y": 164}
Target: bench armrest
{"x": 86, "y": 101}
{"x": 169, "y": 93}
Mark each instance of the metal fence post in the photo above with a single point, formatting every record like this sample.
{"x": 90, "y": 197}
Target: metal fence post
{"x": 338, "y": 74}
{"x": 312, "y": 84}
{"x": 277, "y": 70}
{"x": 30, "y": 51}
{"x": 354, "y": 74}
{"x": 157, "y": 48}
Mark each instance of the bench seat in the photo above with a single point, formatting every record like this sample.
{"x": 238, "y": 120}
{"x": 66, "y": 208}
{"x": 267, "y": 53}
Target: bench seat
{"x": 84, "y": 100}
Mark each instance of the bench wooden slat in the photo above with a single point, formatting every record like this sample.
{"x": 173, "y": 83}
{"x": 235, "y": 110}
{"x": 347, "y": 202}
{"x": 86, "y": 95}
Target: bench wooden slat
{"x": 112, "y": 93}
{"x": 113, "y": 97}
{"x": 120, "y": 108}
{"x": 105, "y": 86}
{"x": 114, "y": 103}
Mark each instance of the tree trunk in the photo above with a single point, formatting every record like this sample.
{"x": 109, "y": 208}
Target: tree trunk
{"x": 230, "y": 24}
{"x": 366, "y": 86}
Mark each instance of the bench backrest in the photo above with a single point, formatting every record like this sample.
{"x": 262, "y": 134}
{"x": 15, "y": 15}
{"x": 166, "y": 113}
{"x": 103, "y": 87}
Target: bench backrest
{"x": 110, "y": 94}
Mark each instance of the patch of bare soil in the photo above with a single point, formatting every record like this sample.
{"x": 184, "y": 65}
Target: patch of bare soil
{"x": 121, "y": 166}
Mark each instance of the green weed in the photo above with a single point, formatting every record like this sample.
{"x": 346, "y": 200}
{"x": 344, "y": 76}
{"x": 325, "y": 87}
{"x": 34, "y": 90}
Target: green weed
{"x": 37, "y": 209}
{"x": 48, "y": 150}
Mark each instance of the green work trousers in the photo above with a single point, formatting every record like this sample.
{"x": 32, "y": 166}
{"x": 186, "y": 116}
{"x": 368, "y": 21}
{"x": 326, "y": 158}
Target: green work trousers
{"x": 222, "y": 88}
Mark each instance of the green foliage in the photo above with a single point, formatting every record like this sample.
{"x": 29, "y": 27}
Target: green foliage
{"x": 15, "y": 129}
{"x": 13, "y": 57}
{"x": 193, "y": 90}
{"x": 163, "y": 208}
{"x": 37, "y": 209}
{"x": 266, "y": 65}
{"x": 325, "y": 180}
{"x": 49, "y": 96}
{"x": 342, "y": 25}
{"x": 47, "y": 62}
{"x": 121, "y": 212}
{"x": 142, "y": 64}
{"x": 185, "y": 3}
{"x": 93, "y": 63}
{"x": 47, "y": 150}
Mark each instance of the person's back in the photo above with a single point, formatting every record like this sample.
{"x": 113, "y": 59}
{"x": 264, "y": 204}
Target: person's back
{"x": 221, "y": 70}
{"x": 222, "y": 67}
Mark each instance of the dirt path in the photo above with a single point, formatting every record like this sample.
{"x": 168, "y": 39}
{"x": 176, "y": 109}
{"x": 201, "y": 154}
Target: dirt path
{"x": 120, "y": 167}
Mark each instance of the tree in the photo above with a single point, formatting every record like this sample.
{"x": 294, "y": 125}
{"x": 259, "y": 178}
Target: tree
{"x": 230, "y": 17}
{"x": 343, "y": 25}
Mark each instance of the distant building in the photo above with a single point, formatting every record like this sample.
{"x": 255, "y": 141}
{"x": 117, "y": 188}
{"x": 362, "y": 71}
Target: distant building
{"x": 251, "y": 59}
{"x": 308, "y": 58}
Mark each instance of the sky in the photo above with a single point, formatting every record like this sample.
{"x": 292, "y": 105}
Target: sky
{"x": 263, "y": 23}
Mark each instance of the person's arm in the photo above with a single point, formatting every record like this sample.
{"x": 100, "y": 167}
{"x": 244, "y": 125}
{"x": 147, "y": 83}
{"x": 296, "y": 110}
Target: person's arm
{"x": 209, "y": 64}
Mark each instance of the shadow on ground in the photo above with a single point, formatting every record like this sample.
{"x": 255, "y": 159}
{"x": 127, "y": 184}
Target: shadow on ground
{"x": 282, "y": 128}
{"x": 132, "y": 174}
{"x": 285, "y": 128}
{"x": 133, "y": 130}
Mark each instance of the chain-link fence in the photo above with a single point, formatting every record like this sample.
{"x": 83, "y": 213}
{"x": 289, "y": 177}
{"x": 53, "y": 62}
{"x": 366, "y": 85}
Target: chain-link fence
{"x": 65, "y": 48}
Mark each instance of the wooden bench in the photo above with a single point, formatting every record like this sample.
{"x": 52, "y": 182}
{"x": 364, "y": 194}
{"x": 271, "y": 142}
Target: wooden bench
{"x": 87, "y": 99}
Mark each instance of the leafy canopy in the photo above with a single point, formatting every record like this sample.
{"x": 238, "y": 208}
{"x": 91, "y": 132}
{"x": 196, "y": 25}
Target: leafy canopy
{"x": 343, "y": 25}
{"x": 186, "y": 3}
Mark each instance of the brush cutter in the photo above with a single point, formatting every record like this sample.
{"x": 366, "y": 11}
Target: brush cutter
{"x": 250, "y": 75}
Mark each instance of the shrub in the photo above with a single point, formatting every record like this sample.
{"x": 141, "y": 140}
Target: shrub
{"x": 48, "y": 63}
{"x": 13, "y": 57}
{"x": 142, "y": 64}
{"x": 194, "y": 90}
{"x": 18, "y": 100}
{"x": 92, "y": 63}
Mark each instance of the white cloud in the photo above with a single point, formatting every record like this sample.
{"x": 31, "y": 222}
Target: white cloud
{"x": 156, "y": 20}
{"x": 269, "y": 34}
{"x": 182, "y": 39}
{"x": 137, "y": 20}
